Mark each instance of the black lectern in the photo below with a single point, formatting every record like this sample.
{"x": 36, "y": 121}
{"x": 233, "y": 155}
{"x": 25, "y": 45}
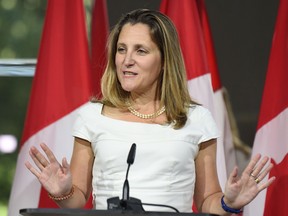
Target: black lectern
{"x": 86, "y": 212}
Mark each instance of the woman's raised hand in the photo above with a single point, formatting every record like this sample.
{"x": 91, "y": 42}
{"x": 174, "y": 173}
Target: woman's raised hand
{"x": 239, "y": 191}
{"x": 55, "y": 177}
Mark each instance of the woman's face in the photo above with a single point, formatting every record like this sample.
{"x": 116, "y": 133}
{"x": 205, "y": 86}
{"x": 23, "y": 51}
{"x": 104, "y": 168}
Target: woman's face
{"x": 137, "y": 60}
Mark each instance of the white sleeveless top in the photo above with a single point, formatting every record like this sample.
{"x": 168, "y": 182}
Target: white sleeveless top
{"x": 163, "y": 171}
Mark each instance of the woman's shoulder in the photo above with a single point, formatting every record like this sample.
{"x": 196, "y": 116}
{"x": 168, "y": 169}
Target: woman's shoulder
{"x": 202, "y": 117}
{"x": 199, "y": 113}
{"x": 196, "y": 109}
{"x": 91, "y": 107}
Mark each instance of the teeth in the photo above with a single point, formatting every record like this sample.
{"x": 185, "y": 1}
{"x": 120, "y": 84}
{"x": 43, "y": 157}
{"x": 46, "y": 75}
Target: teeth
{"x": 129, "y": 73}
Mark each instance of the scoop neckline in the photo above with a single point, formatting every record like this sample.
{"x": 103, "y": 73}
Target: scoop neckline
{"x": 119, "y": 120}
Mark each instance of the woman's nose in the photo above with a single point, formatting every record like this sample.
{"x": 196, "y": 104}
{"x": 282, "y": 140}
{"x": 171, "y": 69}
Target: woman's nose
{"x": 129, "y": 60}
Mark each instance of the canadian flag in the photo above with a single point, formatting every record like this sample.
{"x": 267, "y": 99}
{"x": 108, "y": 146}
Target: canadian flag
{"x": 61, "y": 85}
{"x": 99, "y": 35}
{"x": 190, "y": 19}
{"x": 221, "y": 109}
{"x": 271, "y": 137}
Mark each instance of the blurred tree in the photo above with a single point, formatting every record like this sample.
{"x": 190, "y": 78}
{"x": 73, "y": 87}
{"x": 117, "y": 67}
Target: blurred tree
{"x": 21, "y": 23}
{"x": 14, "y": 94}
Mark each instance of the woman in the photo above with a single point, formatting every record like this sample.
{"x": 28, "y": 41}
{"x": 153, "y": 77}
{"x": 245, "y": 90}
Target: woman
{"x": 146, "y": 101}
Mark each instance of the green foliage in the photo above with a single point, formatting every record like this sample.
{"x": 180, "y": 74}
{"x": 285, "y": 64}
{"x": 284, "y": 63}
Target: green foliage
{"x": 3, "y": 209}
{"x": 21, "y": 21}
{"x": 14, "y": 95}
{"x": 21, "y": 24}
{"x": 7, "y": 170}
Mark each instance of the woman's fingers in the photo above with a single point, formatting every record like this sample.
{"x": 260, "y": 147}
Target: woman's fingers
{"x": 38, "y": 158}
{"x": 233, "y": 175}
{"x": 65, "y": 166}
{"x": 32, "y": 169}
{"x": 251, "y": 165}
{"x": 257, "y": 170}
{"x": 49, "y": 153}
{"x": 266, "y": 184}
{"x": 259, "y": 167}
{"x": 262, "y": 175}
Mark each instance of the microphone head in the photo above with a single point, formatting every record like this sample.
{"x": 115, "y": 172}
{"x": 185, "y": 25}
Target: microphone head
{"x": 131, "y": 155}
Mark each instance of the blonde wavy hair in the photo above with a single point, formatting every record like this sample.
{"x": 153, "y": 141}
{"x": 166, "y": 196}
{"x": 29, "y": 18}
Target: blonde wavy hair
{"x": 172, "y": 88}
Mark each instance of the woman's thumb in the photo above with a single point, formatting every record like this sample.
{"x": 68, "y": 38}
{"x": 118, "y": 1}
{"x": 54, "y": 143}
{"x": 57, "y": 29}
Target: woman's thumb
{"x": 65, "y": 165}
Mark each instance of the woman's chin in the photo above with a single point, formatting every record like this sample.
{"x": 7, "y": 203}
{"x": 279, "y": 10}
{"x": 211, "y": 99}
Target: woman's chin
{"x": 127, "y": 88}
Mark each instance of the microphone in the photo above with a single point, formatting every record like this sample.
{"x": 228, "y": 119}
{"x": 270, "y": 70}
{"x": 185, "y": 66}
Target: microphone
{"x": 127, "y": 202}
{"x": 130, "y": 160}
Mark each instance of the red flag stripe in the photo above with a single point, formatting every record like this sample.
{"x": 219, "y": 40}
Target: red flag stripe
{"x": 210, "y": 51}
{"x": 191, "y": 40}
{"x": 62, "y": 83}
{"x": 64, "y": 47}
{"x": 222, "y": 117}
{"x": 99, "y": 35}
{"x": 271, "y": 137}
{"x": 275, "y": 98}
{"x": 51, "y": 92}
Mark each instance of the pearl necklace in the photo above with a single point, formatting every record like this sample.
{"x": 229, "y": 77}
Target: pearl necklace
{"x": 146, "y": 116}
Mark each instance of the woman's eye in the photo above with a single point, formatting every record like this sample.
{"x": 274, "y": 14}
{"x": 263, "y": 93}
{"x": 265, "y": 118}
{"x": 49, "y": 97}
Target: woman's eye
{"x": 120, "y": 49}
{"x": 141, "y": 51}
